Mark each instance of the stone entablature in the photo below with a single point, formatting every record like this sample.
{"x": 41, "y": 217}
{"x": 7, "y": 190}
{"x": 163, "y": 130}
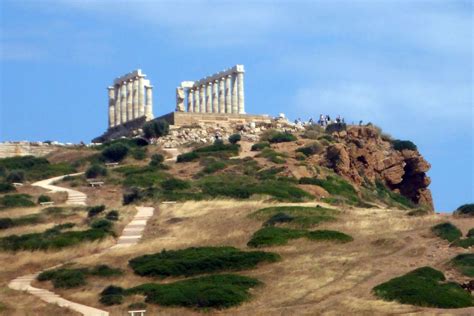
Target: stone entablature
{"x": 130, "y": 98}
{"x": 222, "y": 92}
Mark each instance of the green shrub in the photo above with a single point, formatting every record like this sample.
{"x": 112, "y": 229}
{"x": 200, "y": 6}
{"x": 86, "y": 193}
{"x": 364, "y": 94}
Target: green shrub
{"x": 34, "y": 168}
{"x": 175, "y": 184}
{"x": 403, "y": 144}
{"x": 272, "y": 156}
{"x": 389, "y": 196}
{"x": 334, "y": 186}
{"x": 271, "y": 236}
{"x": 137, "y": 306}
{"x": 112, "y": 215}
{"x": 470, "y": 233}
{"x": 424, "y": 287}
{"x": 142, "y": 177}
{"x": 139, "y": 153}
{"x": 269, "y": 173}
{"x": 64, "y": 278}
{"x": 156, "y": 160}
{"x": 302, "y": 217}
{"x": 465, "y": 210}
{"x": 44, "y": 198}
{"x": 6, "y": 187}
{"x": 193, "y": 261}
{"x": 115, "y": 152}
{"x": 15, "y": 176}
{"x": 110, "y": 300}
{"x": 464, "y": 263}
{"x": 95, "y": 171}
{"x": 104, "y": 270}
{"x": 336, "y": 127}
{"x": 300, "y": 156}
{"x": 155, "y": 129}
{"x": 16, "y": 200}
{"x": 186, "y": 157}
{"x": 282, "y": 138}
{"x": 214, "y": 291}
{"x": 94, "y": 210}
{"x": 464, "y": 242}
{"x": 113, "y": 290}
{"x": 447, "y": 231}
{"x": 219, "y": 147}
{"x": 6, "y": 223}
{"x": 130, "y": 195}
{"x": 234, "y": 138}
{"x": 214, "y": 166}
{"x": 260, "y": 146}
{"x": 312, "y": 149}
{"x": 278, "y": 218}
{"x": 102, "y": 224}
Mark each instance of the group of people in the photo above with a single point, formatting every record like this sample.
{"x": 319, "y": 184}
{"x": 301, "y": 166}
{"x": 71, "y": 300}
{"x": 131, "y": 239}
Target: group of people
{"x": 324, "y": 120}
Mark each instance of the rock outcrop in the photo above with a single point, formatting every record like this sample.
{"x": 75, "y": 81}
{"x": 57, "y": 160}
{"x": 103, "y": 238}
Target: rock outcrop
{"x": 361, "y": 154}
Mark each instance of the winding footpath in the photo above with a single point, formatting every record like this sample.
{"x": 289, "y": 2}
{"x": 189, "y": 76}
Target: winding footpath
{"x": 130, "y": 236}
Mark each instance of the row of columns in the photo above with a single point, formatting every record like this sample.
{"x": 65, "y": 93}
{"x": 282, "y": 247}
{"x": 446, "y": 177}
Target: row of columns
{"x": 222, "y": 95}
{"x": 129, "y": 100}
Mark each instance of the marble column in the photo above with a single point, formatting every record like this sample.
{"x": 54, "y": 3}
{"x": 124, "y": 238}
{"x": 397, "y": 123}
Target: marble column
{"x": 215, "y": 97}
{"x": 197, "y": 100}
{"x": 111, "y": 106}
{"x": 240, "y": 88}
{"x": 202, "y": 99}
{"x": 141, "y": 97}
{"x": 123, "y": 102}
{"x": 129, "y": 101}
{"x": 149, "y": 103}
{"x": 228, "y": 105}
{"x": 190, "y": 100}
{"x": 235, "y": 108}
{"x": 136, "y": 111}
{"x": 208, "y": 97}
{"x": 221, "y": 95}
{"x": 118, "y": 106}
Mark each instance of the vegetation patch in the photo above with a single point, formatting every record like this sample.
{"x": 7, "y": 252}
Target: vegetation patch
{"x": 385, "y": 194}
{"x": 464, "y": 263}
{"x": 403, "y": 144}
{"x": 20, "y": 221}
{"x": 34, "y": 168}
{"x": 282, "y": 137}
{"x": 96, "y": 171}
{"x": 272, "y": 236}
{"x": 463, "y": 242}
{"x": 71, "y": 278}
{"x": 311, "y": 149}
{"x": 53, "y": 238}
{"x": 301, "y": 216}
{"x": 155, "y": 129}
{"x": 193, "y": 261}
{"x": 424, "y": 287}
{"x": 260, "y": 146}
{"x": 335, "y": 186}
{"x": 115, "y": 152}
{"x": 214, "y": 291}
{"x": 142, "y": 177}
{"x": 336, "y": 127}
{"x": 465, "y": 210}
{"x": 272, "y": 156}
{"x": 6, "y": 187}
{"x": 447, "y": 231}
{"x": 16, "y": 200}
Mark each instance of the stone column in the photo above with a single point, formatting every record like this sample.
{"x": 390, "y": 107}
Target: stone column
{"x": 136, "y": 111}
{"x": 197, "y": 100}
{"x": 149, "y": 103}
{"x": 118, "y": 106}
{"x": 190, "y": 100}
{"x": 221, "y": 95}
{"x": 129, "y": 101}
{"x": 123, "y": 102}
{"x": 215, "y": 98}
{"x": 141, "y": 97}
{"x": 235, "y": 108}
{"x": 208, "y": 97}
{"x": 111, "y": 106}
{"x": 241, "y": 101}
{"x": 228, "y": 105}
{"x": 202, "y": 99}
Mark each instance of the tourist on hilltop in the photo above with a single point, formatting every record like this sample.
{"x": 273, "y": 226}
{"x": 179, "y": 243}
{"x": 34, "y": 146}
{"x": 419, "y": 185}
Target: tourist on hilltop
{"x": 310, "y": 121}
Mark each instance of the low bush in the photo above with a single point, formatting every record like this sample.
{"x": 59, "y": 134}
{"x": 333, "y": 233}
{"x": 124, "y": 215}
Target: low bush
{"x": 20, "y": 221}
{"x": 137, "y": 306}
{"x": 16, "y": 200}
{"x": 214, "y": 291}
{"x": 139, "y": 153}
{"x": 463, "y": 242}
{"x": 214, "y": 166}
{"x": 34, "y": 168}
{"x": 15, "y": 176}
{"x": 301, "y": 216}
{"x": 269, "y": 173}
{"x": 272, "y": 156}
{"x": 385, "y": 194}
{"x": 155, "y": 129}
{"x": 6, "y": 223}
{"x": 64, "y": 278}
{"x": 465, "y": 210}
{"x": 313, "y": 131}
{"x": 95, "y": 210}
{"x": 131, "y": 195}
{"x": 104, "y": 270}
{"x": 95, "y": 171}
{"x": 219, "y": 148}
{"x": 272, "y": 236}
{"x": 187, "y": 157}
{"x": 312, "y": 149}
{"x": 115, "y": 152}
{"x": 6, "y": 187}
{"x": 234, "y": 138}
{"x": 156, "y": 160}
{"x": 260, "y": 146}
{"x": 112, "y": 215}
{"x": 424, "y": 287}
{"x": 470, "y": 233}
{"x": 110, "y": 300}
{"x": 336, "y": 127}
{"x": 175, "y": 184}
{"x": 464, "y": 263}
{"x": 334, "y": 186}
{"x": 142, "y": 177}
{"x": 282, "y": 138}
{"x": 300, "y": 156}
{"x": 102, "y": 224}
{"x": 447, "y": 231}
{"x": 44, "y": 198}
{"x": 193, "y": 261}
{"x": 278, "y": 218}
{"x": 403, "y": 144}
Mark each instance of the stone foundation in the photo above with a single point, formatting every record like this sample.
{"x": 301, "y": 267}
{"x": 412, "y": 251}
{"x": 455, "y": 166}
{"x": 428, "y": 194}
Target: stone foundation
{"x": 14, "y": 149}
{"x": 188, "y": 118}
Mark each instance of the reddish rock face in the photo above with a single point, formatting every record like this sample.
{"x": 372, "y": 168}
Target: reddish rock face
{"x": 362, "y": 155}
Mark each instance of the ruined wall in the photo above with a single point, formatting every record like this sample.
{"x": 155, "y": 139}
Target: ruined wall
{"x": 13, "y": 149}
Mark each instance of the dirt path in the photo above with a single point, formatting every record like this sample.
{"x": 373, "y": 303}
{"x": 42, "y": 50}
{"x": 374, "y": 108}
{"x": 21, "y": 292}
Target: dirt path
{"x": 130, "y": 236}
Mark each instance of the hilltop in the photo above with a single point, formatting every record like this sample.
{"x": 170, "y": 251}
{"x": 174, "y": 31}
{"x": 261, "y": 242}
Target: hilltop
{"x": 249, "y": 219}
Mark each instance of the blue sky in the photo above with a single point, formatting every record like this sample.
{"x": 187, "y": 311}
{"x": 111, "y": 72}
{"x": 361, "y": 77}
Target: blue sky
{"x": 407, "y": 66}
